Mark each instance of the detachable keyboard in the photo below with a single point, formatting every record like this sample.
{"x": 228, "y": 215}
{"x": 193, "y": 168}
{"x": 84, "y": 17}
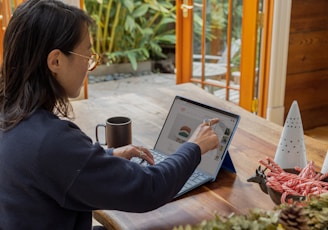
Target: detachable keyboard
{"x": 195, "y": 179}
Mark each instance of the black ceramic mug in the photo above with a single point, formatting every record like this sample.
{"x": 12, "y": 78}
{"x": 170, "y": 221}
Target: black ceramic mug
{"x": 118, "y": 132}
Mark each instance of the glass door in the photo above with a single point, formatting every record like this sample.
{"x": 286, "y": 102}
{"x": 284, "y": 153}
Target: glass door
{"x": 216, "y": 47}
{"x": 225, "y": 46}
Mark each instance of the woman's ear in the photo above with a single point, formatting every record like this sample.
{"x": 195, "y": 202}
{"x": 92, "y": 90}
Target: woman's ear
{"x": 53, "y": 60}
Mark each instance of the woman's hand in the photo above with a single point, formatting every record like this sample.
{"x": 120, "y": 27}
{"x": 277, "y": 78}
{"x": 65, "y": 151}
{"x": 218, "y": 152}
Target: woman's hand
{"x": 205, "y": 137}
{"x": 130, "y": 151}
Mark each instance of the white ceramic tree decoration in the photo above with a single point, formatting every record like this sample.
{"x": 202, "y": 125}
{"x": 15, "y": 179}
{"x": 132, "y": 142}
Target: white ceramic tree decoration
{"x": 291, "y": 150}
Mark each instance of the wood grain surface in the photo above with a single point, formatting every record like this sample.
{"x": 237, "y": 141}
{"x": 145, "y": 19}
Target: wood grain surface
{"x": 255, "y": 139}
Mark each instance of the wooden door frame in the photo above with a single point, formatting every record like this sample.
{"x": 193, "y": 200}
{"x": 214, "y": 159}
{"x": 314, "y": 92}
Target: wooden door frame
{"x": 273, "y": 68}
{"x": 184, "y": 50}
{"x": 265, "y": 56}
{"x": 248, "y": 50}
{"x": 5, "y": 15}
{"x": 278, "y": 63}
{"x": 2, "y": 33}
{"x": 183, "y": 47}
{"x": 274, "y": 60}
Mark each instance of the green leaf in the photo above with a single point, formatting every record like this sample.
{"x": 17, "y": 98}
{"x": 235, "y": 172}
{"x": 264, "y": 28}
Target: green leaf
{"x": 140, "y": 11}
{"x": 133, "y": 60}
{"x": 129, "y": 31}
{"x": 130, "y": 24}
{"x": 147, "y": 31}
{"x": 129, "y": 4}
{"x": 168, "y": 39}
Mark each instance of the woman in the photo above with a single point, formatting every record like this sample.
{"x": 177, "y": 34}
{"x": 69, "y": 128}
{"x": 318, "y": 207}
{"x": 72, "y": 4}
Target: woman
{"x": 52, "y": 176}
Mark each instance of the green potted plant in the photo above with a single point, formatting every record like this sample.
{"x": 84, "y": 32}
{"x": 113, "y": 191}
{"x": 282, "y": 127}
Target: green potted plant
{"x": 130, "y": 31}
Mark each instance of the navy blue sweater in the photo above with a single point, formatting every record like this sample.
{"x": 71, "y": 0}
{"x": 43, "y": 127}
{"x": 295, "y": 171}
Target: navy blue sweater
{"x": 52, "y": 176}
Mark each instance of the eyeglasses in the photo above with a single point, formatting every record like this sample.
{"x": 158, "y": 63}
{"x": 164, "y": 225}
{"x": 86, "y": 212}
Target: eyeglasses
{"x": 94, "y": 60}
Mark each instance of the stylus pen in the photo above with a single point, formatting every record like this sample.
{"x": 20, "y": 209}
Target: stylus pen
{"x": 142, "y": 161}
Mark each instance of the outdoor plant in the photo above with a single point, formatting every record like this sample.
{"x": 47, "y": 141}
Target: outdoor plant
{"x": 131, "y": 30}
{"x": 216, "y": 26}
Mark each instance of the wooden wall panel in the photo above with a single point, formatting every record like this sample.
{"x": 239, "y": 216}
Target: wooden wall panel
{"x": 310, "y": 95}
{"x": 307, "y": 67}
{"x": 314, "y": 118}
{"x": 311, "y": 92}
{"x": 309, "y": 15}
{"x": 308, "y": 51}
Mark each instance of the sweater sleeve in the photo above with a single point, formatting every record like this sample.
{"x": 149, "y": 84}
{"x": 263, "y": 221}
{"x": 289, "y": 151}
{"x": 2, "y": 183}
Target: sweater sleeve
{"x": 84, "y": 176}
{"x": 108, "y": 182}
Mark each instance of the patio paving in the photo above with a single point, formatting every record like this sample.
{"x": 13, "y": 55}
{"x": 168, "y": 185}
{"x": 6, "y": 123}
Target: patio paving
{"x": 133, "y": 84}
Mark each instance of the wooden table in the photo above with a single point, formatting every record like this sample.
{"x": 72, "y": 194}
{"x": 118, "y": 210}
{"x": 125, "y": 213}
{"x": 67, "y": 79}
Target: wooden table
{"x": 255, "y": 139}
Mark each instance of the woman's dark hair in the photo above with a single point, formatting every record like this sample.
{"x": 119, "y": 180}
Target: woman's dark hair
{"x": 26, "y": 83}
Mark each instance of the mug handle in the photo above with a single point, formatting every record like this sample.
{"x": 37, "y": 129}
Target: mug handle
{"x": 97, "y": 139}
